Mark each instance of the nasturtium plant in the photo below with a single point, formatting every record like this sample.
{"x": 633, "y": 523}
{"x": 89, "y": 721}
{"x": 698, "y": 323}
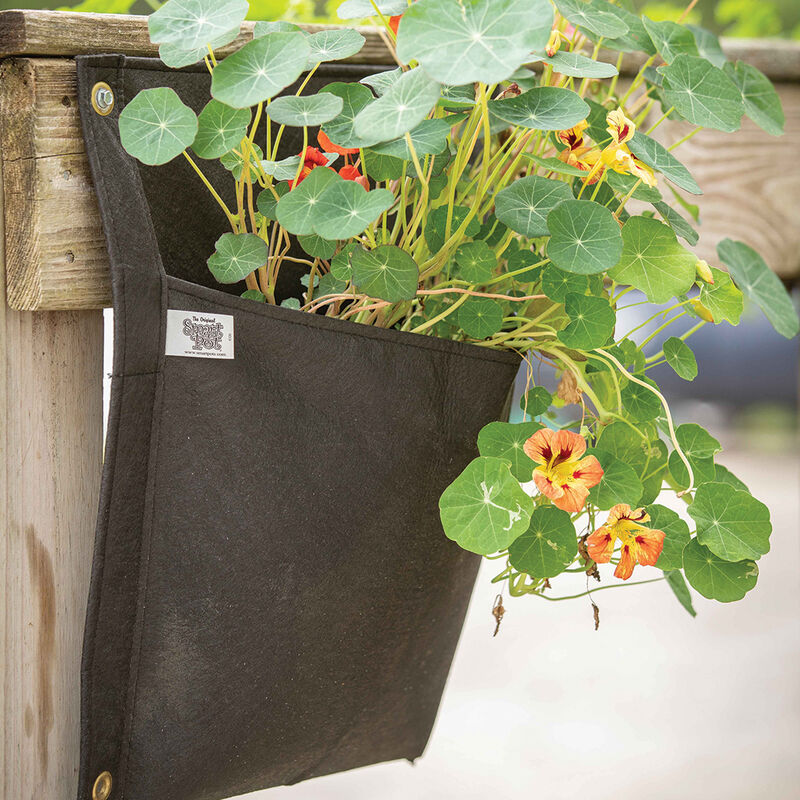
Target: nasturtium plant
{"x": 502, "y": 188}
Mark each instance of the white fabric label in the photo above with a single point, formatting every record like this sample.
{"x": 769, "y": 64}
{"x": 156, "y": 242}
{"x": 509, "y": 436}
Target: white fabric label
{"x": 199, "y": 335}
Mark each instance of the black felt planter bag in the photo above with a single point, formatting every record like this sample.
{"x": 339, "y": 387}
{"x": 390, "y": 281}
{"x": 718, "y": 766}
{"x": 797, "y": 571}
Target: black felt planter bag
{"x": 272, "y": 595}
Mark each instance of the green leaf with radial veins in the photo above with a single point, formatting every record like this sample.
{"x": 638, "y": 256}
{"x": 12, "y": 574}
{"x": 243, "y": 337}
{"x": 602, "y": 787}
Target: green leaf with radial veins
{"x": 380, "y": 82}
{"x": 640, "y": 404}
{"x": 317, "y": 246}
{"x": 576, "y": 65}
{"x": 466, "y": 41}
{"x": 591, "y": 322}
{"x": 679, "y": 588}
{"x": 730, "y": 523}
{"x": 549, "y": 545}
{"x": 196, "y": 23}
{"x": 305, "y": 111}
{"x": 702, "y": 94}
{"x": 653, "y": 260}
{"x": 346, "y": 208}
{"x": 525, "y": 204}
{"x": 296, "y": 210}
{"x": 234, "y": 162}
{"x": 264, "y": 27}
{"x": 544, "y": 108}
{"x": 476, "y": 262}
{"x": 660, "y": 159}
{"x": 681, "y": 358}
{"x": 594, "y": 16}
{"x": 584, "y": 237}
{"x": 676, "y": 221}
{"x": 505, "y": 440}
{"x": 724, "y": 475}
{"x": 156, "y": 126}
{"x": 557, "y": 284}
{"x": 174, "y": 55}
{"x": 427, "y": 138}
{"x": 676, "y": 536}
{"x": 260, "y": 69}
{"x": 387, "y": 272}
{"x": 480, "y": 317}
{"x": 535, "y": 401}
{"x": 635, "y": 40}
{"x": 670, "y": 39}
{"x": 406, "y": 103}
{"x": 716, "y": 578}
{"x": 761, "y": 102}
{"x": 699, "y": 447}
{"x": 220, "y": 128}
{"x": 619, "y": 484}
{"x": 236, "y": 255}
{"x": 333, "y": 45}
{"x": 761, "y": 285}
{"x": 485, "y": 509}
{"x": 722, "y": 298}
{"x": 708, "y": 45}
{"x": 266, "y": 202}
{"x": 341, "y": 129}
{"x": 359, "y": 9}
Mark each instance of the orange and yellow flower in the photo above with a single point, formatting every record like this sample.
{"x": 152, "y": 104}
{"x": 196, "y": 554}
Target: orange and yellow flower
{"x": 323, "y": 140}
{"x": 563, "y": 474}
{"x": 637, "y": 543}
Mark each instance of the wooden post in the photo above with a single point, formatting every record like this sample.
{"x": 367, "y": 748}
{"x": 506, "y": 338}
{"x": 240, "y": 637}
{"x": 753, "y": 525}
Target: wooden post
{"x": 53, "y": 285}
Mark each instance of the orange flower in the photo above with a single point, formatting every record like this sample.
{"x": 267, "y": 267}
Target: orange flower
{"x": 394, "y": 22}
{"x": 586, "y": 158}
{"x": 563, "y": 475}
{"x": 311, "y": 158}
{"x": 638, "y": 544}
{"x": 351, "y": 173}
{"x": 329, "y": 147}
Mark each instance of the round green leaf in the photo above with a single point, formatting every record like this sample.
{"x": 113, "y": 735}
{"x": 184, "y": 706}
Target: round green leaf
{"x": 359, "y": 9}
{"x": 236, "y": 255}
{"x": 724, "y": 475}
{"x": 654, "y": 261}
{"x": 681, "y": 358}
{"x": 591, "y": 322}
{"x": 594, "y": 16}
{"x": 263, "y": 27}
{"x": 761, "y": 102}
{"x": 535, "y": 401}
{"x": 260, "y": 69}
{"x": 576, "y": 65}
{"x": 405, "y": 104}
{"x": 317, "y": 246}
{"x": 305, "y": 111}
{"x": 480, "y": 317}
{"x": 584, "y": 237}
{"x": 267, "y": 202}
{"x": 341, "y": 129}
{"x": 715, "y": 578}
{"x": 485, "y": 508}
{"x": 297, "y": 210}
{"x": 381, "y": 81}
{"x": 722, "y": 298}
{"x": 619, "y": 484}
{"x": 382, "y": 168}
{"x": 636, "y": 39}
{"x": 156, "y": 126}
{"x": 731, "y": 523}
{"x": 220, "y": 128}
{"x": 505, "y": 440}
{"x": 640, "y": 404}
{"x": 708, "y": 45}
{"x": 194, "y": 24}
{"x": 657, "y": 156}
{"x": 678, "y": 224}
{"x": 427, "y": 138}
{"x": 549, "y": 545}
{"x": 174, "y": 55}
{"x": 700, "y": 447}
{"x": 387, "y": 273}
{"x": 676, "y": 536}
{"x": 557, "y": 284}
{"x": 702, "y": 94}
{"x": 234, "y": 162}
{"x": 333, "y": 45}
{"x": 544, "y": 108}
{"x": 761, "y": 285}
{"x": 255, "y": 295}
{"x": 670, "y": 39}
{"x": 525, "y": 204}
{"x": 346, "y": 208}
{"x": 476, "y": 262}
{"x": 482, "y": 40}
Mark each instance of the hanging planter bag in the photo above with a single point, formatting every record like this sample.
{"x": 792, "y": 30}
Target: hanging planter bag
{"x": 272, "y": 595}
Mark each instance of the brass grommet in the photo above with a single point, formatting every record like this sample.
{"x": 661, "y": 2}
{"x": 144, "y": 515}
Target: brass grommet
{"x": 102, "y": 786}
{"x": 102, "y": 99}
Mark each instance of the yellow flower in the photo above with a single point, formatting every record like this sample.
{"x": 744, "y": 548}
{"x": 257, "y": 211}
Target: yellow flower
{"x": 620, "y": 159}
{"x": 619, "y": 126}
{"x": 553, "y": 43}
{"x": 573, "y": 137}
{"x": 637, "y": 543}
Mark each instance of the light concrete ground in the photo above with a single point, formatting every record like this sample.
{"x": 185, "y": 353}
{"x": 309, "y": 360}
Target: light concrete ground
{"x": 654, "y": 705}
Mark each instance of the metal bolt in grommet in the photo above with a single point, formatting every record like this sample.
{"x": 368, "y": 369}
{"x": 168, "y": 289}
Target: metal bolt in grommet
{"x": 102, "y": 786}
{"x": 102, "y": 98}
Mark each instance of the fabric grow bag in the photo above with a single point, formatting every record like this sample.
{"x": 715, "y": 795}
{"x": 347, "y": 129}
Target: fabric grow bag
{"x": 272, "y": 595}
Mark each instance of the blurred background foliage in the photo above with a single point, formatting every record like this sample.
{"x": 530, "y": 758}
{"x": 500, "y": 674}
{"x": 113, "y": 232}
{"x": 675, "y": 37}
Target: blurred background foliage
{"x": 742, "y": 18}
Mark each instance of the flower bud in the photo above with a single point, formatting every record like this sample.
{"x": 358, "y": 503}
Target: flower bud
{"x": 704, "y": 271}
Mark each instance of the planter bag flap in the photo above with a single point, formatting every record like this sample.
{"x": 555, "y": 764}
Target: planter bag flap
{"x": 272, "y": 595}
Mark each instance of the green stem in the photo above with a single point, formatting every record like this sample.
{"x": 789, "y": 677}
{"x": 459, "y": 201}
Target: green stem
{"x": 599, "y": 589}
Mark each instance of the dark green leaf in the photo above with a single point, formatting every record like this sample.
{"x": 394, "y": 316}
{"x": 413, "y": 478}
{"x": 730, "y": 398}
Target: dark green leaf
{"x": 505, "y": 440}
{"x": 549, "y": 545}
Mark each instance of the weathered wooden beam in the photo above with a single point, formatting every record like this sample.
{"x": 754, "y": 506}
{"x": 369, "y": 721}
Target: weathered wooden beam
{"x": 55, "y": 251}
{"x": 51, "y": 433}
